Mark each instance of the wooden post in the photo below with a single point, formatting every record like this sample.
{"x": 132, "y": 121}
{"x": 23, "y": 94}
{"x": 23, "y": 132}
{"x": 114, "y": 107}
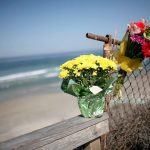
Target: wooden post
{"x": 107, "y": 53}
{"x": 107, "y": 48}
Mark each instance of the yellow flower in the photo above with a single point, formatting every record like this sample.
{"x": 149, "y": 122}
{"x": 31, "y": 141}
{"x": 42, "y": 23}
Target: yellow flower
{"x": 69, "y": 64}
{"x": 80, "y": 67}
{"x": 64, "y": 74}
{"x": 82, "y": 62}
{"x": 77, "y": 73}
{"x": 106, "y": 63}
{"x": 94, "y": 73}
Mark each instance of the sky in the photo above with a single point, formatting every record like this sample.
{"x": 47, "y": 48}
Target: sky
{"x": 30, "y": 27}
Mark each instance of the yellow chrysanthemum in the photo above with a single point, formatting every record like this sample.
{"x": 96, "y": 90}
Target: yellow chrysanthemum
{"x": 64, "y": 74}
{"x": 94, "y": 73}
{"x": 85, "y": 62}
{"x": 105, "y": 63}
{"x": 77, "y": 73}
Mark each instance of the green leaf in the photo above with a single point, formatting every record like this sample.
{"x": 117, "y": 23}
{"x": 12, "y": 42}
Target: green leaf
{"x": 71, "y": 87}
{"x": 74, "y": 89}
{"x": 64, "y": 85}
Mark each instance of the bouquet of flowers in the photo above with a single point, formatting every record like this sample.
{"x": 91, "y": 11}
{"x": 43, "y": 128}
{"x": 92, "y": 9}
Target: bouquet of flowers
{"x": 88, "y": 77}
{"x": 135, "y": 46}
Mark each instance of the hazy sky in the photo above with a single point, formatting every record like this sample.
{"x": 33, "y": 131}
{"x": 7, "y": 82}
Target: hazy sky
{"x": 48, "y": 26}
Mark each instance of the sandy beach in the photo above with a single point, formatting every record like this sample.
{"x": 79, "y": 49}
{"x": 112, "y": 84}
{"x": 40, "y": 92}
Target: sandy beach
{"x": 25, "y": 114}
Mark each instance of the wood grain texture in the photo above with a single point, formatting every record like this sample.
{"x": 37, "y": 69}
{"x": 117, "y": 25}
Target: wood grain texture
{"x": 67, "y": 134}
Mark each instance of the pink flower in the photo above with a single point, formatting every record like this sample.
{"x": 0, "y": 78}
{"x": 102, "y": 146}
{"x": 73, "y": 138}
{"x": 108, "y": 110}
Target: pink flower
{"x": 136, "y": 38}
{"x": 137, "y": 27}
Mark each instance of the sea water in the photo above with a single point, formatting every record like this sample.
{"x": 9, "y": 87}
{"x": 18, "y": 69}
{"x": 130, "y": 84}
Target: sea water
{"x": 38, "y": 74}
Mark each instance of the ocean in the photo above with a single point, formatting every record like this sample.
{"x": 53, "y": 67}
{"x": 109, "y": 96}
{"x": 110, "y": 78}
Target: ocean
{"x": 26, "y": 75}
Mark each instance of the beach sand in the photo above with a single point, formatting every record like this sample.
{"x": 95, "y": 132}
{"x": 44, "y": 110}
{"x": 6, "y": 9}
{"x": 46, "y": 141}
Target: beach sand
{"x": 25, "y": 114}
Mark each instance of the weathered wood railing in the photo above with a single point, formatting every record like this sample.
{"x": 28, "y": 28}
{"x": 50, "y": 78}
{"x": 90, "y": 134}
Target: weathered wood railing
{"x": 66, "y": 135}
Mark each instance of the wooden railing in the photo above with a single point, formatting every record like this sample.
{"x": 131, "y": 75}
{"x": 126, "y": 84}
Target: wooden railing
{"x": 65, "y": 135}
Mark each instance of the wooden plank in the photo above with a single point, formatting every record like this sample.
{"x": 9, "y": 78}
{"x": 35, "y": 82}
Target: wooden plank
{"x": 64, "y": 133}
{"x": 79, "y": 138}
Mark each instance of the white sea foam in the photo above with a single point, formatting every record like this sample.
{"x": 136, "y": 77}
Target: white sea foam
{"x": 50, "y": 75}
{"x": 30, "y": 74}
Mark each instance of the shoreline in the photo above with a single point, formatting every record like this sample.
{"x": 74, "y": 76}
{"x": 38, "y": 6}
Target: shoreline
{"x": 45, "y": 89}
{"x": 28, "y": 113}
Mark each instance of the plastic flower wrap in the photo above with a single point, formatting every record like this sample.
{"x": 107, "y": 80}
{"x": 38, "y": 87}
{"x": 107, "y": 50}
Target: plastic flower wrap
{"x": 88, "y": 77}
{"x": 135, "y": 46}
